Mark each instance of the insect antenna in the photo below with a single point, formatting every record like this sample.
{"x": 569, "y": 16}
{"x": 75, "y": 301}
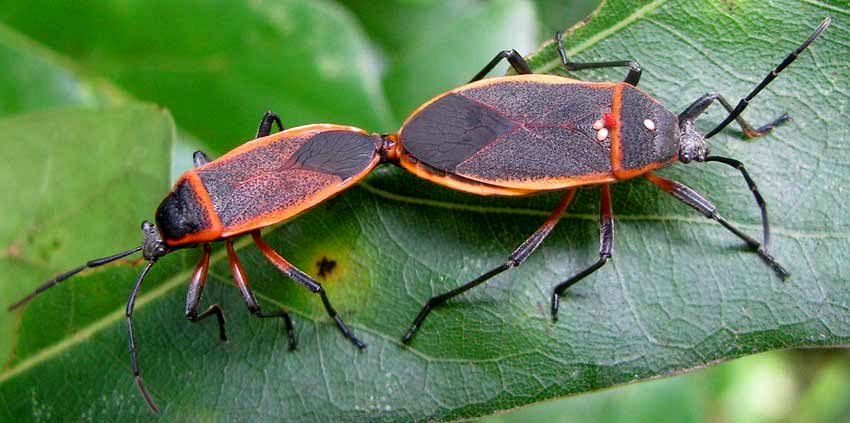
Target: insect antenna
{"x": 770, "y": 77}
{"x": 57, "y": 280}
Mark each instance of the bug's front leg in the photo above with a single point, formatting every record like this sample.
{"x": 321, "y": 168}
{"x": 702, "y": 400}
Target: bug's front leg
{"x": 196, "y": 289}
{"x": 692, "y": 198}
{"x": 701, "y": 104}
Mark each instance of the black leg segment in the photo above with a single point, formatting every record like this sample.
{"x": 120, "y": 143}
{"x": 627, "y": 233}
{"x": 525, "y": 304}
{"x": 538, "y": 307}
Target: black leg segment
{"x": 692, "y": 198}
{"x": 632, "y": 78}
{"x": 251, "y": 300}
{"x": 515, "y": 259}
{"x": 266, "y": 124}
{"x": 756, "y": 194}
{"x": 304, "y": 279}
{"x": 196, "y": 289}
{"x": 200, "y": 158}
{"x": 606, "y": 249}
{"x": 514, "y": 58}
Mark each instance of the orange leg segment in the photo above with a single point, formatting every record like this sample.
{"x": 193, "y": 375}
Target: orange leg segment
{"x": 193, "y": 295}
{"x": 251, "y": 300}
{"x": 304, "y": 279}
{"x": 692, "y": 198}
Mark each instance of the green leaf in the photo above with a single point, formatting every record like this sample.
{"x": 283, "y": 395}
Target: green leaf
{"x": 35, "y": 78}
{"x": 77, "y": 175}
{"x": 219, "y": 66}
{"x": 679, "y": 293}
{"x": 434, "y": 46}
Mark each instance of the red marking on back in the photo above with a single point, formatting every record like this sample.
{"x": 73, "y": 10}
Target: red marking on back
{"x": 610, "y": 121}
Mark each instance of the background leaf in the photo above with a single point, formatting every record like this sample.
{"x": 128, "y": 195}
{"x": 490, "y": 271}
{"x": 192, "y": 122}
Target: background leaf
{"x": 36, "y": 78}
{"x": 244, "y": 58}
{"x": 679, "y": 293}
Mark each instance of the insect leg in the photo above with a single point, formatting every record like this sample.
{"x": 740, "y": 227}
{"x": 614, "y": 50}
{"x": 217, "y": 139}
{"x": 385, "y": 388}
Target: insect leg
{"x": 701, "y": 104}
{"x": 193, "y": 296}
{"x": 131, "y": 302}
{"x": 692, "y": 198}
{"x": 266, "y": 124}
{"x": 304, "y": 279}
{"x": 514, "y": 58}
{"x": 606, "y": 249}
{"x": 199, "y": 158}
{"x": 515, "y": 259}
{"x": 634, "y": 68}
{"x": 250, "y": 299}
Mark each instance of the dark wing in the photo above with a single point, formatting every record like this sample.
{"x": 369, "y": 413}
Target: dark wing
{"x": 284, "y": 175}
{"x": 515, "y": 132}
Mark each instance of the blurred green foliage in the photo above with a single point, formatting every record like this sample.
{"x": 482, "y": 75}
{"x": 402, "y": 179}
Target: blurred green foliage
{"x": 778, "y": 386}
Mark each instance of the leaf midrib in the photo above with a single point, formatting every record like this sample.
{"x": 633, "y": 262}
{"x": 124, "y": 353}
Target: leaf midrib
{"x": 696, "y": 219}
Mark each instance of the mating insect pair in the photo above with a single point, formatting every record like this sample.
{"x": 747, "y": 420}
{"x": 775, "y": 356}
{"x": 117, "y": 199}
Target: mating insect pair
{"x": 507, "y": 136}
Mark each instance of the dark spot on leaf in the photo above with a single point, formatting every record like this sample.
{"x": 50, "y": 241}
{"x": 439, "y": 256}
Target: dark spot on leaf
{"x": 325, "y": 267}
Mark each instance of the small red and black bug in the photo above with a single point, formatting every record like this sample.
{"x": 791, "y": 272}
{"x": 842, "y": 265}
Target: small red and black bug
{"x": 262, "y": 182}
{"x": 516, "y": 135}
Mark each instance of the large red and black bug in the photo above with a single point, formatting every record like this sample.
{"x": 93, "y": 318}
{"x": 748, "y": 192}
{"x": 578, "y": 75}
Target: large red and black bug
{"x": 522, "y": 134}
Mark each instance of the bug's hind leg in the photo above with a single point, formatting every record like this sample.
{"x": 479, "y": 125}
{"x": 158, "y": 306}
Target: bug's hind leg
{"x": 516, "y": 258}
{"x": 266, "y": 124}
{"x": 515, "y": 59}
{"x": 632, "y": 77}
{"x": 692, "y": 198}
{"x": 304, "y": 279}
{"x": 251, "y": 300}
{"x": 606, "y": 249}
{"x": 196, "y": 289}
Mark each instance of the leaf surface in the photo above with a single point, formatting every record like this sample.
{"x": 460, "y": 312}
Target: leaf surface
{"x": 219, "y": 66}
